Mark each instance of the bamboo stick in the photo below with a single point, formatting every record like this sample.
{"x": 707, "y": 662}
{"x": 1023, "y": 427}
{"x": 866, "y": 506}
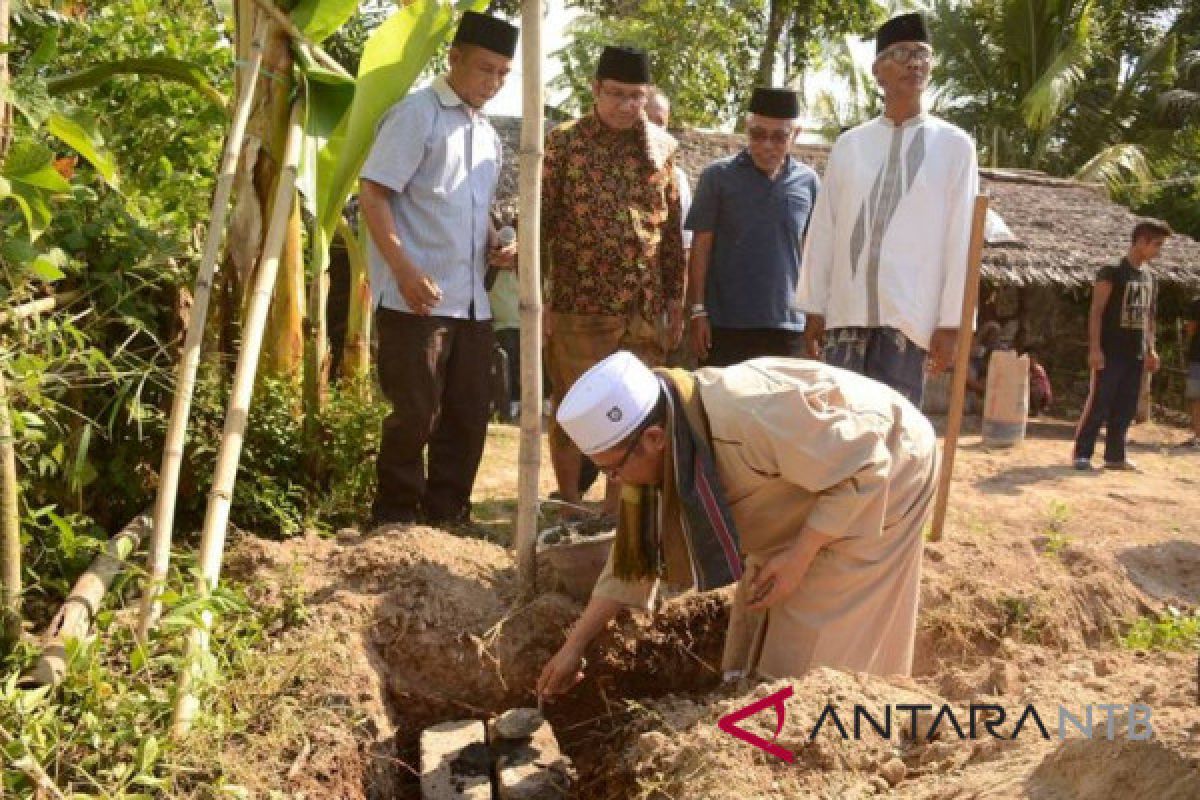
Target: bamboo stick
{"x": 5, "y": 107}
{"x": 961, "y": 358}
{"x": 41, "y": 306}
{"x": 29, "y": 766}
{"x": 530, "y": 224}
{"x": 356, "y": 352}
{"x": 185, "y": 385}
{"x": 284, "y": 21}
{"x": 10, "y": 526}
{"x": 216, "y": 520}
{"x": 79, "y": 609}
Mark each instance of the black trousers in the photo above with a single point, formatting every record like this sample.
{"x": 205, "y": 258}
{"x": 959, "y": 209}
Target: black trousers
{"x": 434, "y": 371}
{"x": 735, "y": 345}
{"x": 1112, "y": 402}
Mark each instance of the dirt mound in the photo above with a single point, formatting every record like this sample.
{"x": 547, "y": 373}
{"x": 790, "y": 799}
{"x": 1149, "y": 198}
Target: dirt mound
{"x": 1067, "y": 598}
{"x": 1099, "y": 770}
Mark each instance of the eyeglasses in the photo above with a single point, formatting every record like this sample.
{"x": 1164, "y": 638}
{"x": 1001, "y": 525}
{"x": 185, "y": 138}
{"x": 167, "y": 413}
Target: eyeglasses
{"x": 637, "y": 98}
{"x": 614, "y": 470}
{"x": 774, "y": 137}
{"x": 903, "y": 55}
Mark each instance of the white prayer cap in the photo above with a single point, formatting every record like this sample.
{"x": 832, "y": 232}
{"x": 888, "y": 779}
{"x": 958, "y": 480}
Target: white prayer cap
{"x": 608, "y": 402}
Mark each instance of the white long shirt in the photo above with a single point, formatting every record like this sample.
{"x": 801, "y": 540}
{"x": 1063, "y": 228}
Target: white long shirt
{"x": 889, "y": 235}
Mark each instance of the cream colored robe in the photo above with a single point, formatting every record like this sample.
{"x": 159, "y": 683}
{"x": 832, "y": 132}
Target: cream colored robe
{"x": 799, "y": 442}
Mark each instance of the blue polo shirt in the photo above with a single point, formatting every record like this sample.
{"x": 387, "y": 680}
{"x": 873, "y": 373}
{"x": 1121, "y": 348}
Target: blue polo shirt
{"x": 758, "y": 227}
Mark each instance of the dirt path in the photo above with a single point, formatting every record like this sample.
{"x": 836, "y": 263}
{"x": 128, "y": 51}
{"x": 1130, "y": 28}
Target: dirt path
{"x": 1022, "y": 604}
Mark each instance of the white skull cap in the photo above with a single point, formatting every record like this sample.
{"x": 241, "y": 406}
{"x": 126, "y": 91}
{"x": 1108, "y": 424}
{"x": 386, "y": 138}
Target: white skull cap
{"x": 608, "y": 402}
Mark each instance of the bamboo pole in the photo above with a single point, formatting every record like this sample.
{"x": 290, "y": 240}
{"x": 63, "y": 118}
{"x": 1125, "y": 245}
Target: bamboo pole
{"x": 79, "y": 609}
{"x": 10, "y": 525}
{"x": 530, "y": 224}
{"x": 356, "y": 352}
{"x": 284, "y": 21}
{"x": 185, "y": 384}
{"x": 5, "y": 107}
{"x": 961, "y": 358}
{"x": 41, "y": 306}
{"x": 216, "y": 520}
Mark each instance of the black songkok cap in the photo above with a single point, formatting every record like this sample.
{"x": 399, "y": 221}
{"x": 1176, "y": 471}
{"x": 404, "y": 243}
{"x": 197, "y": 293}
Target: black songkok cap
{"x": 490, "y": 33}
{"x": 775, "y": 103}
{"x": 623, "y": 64}
{"x": 904, "y": 28}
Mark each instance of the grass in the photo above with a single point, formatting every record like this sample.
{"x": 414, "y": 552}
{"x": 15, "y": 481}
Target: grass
{"x": 102, "y": 732}
{"x": 1171, "y": 630}
{"x": 1057, "y": 539}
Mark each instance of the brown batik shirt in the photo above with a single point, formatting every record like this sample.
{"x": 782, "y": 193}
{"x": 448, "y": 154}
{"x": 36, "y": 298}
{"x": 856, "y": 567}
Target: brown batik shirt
{"x": 611, "y": 219}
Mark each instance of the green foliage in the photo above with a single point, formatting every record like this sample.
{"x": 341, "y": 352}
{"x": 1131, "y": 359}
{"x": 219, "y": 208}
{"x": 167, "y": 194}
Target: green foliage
{"x": 285, "y": 483}
{"x": 100, "y": 733}
{"x": 1057, "y": 538}
{"x": 1172, "y": 630}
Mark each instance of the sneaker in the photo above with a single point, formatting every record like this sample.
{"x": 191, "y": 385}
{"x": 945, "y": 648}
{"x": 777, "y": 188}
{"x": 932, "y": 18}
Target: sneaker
{"x": 1122, "y": 466}
{"x": 1083, "y": 464}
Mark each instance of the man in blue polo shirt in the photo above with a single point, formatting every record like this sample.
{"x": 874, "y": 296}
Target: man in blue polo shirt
{"x": 748, "y": 219}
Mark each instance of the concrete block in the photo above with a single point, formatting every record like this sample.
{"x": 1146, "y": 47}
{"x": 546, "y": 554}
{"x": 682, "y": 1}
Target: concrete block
{"x": 532, "y": 768}
{"x": 456, "y": 762}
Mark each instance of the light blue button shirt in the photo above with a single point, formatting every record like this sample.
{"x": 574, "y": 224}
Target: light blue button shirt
{"x": 441, "y": 162}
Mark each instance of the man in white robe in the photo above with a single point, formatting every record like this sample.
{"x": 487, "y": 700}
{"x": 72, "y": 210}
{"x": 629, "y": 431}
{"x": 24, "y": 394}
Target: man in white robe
{"x": 886, "y": 259}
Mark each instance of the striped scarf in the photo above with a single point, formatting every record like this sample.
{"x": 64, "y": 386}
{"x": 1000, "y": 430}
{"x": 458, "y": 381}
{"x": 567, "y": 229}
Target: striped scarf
{"x": 691, "y": 505}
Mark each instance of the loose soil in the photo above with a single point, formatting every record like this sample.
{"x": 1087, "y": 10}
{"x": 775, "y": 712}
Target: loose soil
{"x": 1040, "y": 571}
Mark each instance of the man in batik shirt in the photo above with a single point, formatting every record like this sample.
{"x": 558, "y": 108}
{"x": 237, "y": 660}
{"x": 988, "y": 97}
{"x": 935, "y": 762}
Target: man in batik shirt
{"x": 611, "y": 233}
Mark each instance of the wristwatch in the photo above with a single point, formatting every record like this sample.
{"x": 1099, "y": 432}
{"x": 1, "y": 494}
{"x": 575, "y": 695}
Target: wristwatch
{"x": 697, "y": 310}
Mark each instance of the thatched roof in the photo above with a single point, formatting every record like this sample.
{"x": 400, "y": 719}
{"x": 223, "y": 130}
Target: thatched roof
{"x": 1065, "y": 230}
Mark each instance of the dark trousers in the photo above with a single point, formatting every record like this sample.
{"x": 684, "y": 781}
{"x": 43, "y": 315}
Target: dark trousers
{"x": 434, "y": 373}
{"x": 1112, "y": 402}
{"x": 735, "y": 345}
{"x": 885, "y": 354}
{"x": 510, "y": 340}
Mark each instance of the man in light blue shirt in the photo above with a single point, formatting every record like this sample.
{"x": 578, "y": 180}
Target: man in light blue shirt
{"x": 425, "y": 194}
{"x": 749, "y": 217}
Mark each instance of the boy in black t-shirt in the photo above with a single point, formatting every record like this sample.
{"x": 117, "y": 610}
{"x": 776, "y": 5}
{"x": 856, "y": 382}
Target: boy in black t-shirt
{"x": 1192, "y": 392}
{"x": 1120, "y": 346}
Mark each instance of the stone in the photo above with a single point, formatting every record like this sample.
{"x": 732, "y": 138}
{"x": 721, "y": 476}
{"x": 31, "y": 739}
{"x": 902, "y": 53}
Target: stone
{"x": 1104, "y": 666}
{"x": 1005, "y": 677}
{"x": 455, "y": 762}
{"x": 518, "y": 723}
{"x": 531, "y": 767}
{"x": 893, "y": 771}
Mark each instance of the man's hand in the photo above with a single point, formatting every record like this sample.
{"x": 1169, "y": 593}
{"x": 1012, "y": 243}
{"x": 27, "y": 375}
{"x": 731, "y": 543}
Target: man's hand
{"x": 1096, "y": 359}
{"x": 674, "y": 325}
{"x": 776, "y": 580}
{"x": 1153, "y": 362}
{"x": 941, "y": 350}
{"x": 701, "y": 337}
{"x": 419, "y": 290}
{"x": 561, "y": 673}
{"x": 814, "y": 335}
{"x": 503, "y": 257}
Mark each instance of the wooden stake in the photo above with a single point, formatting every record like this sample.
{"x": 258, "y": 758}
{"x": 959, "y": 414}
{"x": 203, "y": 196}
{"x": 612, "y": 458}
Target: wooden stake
{"x": 530, "y": 224}
{"x": 79, "y": 609}
{"x": 216, "y": 519}
{"x": 10, "y": 525}
{"x": 961, "y": 358}
{"x": 185, "y": 385}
